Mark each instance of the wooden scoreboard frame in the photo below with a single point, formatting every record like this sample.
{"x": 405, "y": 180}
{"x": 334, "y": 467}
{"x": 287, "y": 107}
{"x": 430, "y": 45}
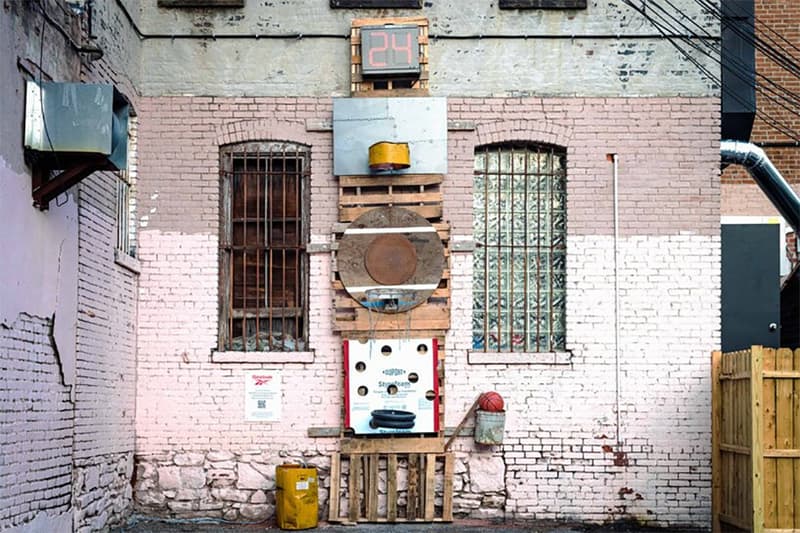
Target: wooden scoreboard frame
{"x": 389, "y": 76}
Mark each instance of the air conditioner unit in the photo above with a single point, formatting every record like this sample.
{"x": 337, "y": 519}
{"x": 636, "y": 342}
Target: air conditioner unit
{"x": 68, "y": 123}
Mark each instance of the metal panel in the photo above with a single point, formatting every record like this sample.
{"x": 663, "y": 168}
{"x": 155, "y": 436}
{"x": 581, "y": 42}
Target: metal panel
{"x": 76, "y": 118}
{"x": 360, "y": 122}
{"x": 750, "y": 286}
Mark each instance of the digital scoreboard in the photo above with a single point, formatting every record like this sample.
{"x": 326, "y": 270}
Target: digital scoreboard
{"x": 390, "y": 50}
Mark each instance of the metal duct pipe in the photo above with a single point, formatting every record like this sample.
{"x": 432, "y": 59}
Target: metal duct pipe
{"x": 766, "y": 176}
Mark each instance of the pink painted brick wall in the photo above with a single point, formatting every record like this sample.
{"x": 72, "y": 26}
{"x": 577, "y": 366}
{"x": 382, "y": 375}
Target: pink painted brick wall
{"x": 559, "y": 458}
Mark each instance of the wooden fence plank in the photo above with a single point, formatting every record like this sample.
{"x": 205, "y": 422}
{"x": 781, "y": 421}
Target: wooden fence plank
{"x": 770, "y": 499}
{"x": 757, "y": 418}
{"x": 783, "y": 440}
{"x": 716, "y": 420}
{"x": 796, "y": 441}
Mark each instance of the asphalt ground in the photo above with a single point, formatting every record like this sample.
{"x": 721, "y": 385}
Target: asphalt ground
{"x": 150, "y": 525}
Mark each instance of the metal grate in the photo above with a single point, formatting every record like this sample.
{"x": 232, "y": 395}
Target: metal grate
{"x": 263, "y": 263}
{"x": 520, "y": 219}
{"x": 126, "y": 196}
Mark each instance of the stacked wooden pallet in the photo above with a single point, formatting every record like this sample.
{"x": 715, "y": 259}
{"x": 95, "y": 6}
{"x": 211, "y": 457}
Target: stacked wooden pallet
{"x": 418, "y": 193}
{"x": 411, "y": 482}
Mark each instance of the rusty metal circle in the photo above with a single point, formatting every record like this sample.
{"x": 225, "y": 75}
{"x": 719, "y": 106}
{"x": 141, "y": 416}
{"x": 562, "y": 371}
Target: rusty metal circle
{"x": 390, "y": 259}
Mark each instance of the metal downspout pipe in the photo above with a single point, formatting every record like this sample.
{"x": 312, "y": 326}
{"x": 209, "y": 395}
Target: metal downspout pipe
{"x": 768, "y": 178}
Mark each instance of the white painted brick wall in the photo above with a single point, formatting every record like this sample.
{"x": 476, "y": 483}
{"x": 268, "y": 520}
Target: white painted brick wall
{"x": 35, "y": 425}
{"x": 561, "y": 420}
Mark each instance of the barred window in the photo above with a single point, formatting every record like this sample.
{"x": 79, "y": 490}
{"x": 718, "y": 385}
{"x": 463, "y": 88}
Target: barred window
{"x": 126, "y": 196}
{"x": 263, "y": 235}
{"x": 520, "y": 219}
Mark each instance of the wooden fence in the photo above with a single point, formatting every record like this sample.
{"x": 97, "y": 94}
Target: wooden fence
{"x": 756, "y": 441}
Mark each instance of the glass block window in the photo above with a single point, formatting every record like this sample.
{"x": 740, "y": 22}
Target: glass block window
{"x": 520, "y": 230}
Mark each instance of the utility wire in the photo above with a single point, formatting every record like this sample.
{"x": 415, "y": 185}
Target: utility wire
{"x": 665, "y": 28}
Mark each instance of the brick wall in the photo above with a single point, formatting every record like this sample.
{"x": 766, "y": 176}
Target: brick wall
{"x": 105, "y": 394}
{"x": 35, "y": 426}
{"x": 565, "y": 455}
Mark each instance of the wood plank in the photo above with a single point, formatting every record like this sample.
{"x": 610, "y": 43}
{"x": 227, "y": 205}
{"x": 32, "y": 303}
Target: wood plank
{"x": 725, "y": 438}
{"x": 757, "y": 366}
{"x": 424, "y": 317}
{"x": 796, "y": 441}
{"x": 358, "y": 23}
{"x": 736, "y": 450}
{"x": 348, "y": 214}
{"x": 783, "y": 440}
{"x": 770, "y": 478}
{"x": 743, "y": 414}
{"x": 371, "y": 487}
{"x": 402, "y": 199}
{"x": 412, "y": 506}
{"x": 716, "y": 359}
{"x": 395, "y": 445}
{"x": 335, "y": 482}
{"x": 385, "y": 180}
{"x": 782, "y": 374}
{"x": 447, "y": 497}
{"x": 783, "y": 454}
{"x": 430, "y": 487}
{"x": 734, "y": 521}
{"x": 391, "y": 487}
{"x": 354, "y": 482}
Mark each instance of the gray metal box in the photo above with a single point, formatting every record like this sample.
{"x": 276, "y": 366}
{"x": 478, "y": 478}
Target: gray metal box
{"x": 67, "y": 121}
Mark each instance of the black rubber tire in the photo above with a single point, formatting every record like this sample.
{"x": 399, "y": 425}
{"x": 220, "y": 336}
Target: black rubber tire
{"x": 391, "y": 424}
{"x": 392, "y": 419}
{"x": 393, "y": 414}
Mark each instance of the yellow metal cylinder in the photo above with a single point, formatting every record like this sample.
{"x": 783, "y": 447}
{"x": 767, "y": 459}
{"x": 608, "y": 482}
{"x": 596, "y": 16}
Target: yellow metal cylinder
{"x": 296, "y": 497}
{"x": 386, "y": 155}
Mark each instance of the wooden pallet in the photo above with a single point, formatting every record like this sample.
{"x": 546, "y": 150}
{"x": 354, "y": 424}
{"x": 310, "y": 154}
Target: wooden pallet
{"x": 420, "y": 193}
{"x": 367, "y": 487}
{"x": 360, "y": 86}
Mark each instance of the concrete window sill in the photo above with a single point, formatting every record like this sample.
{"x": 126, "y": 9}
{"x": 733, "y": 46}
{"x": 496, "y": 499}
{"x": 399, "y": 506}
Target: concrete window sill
{"x": 519, "y": 358}
{"x": 263, "y": 357}
{"x": 127, "y": 262}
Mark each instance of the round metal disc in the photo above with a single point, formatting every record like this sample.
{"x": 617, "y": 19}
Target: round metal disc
{"x": 390, "y": 259}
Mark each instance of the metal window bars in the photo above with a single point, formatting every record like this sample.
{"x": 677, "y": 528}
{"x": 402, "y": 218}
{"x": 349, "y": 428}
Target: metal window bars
{"x": 263, "y": 264}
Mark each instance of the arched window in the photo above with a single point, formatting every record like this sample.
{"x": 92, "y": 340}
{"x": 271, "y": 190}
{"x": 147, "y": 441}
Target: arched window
{"x": 520, "y": 229}
{"x": 264, "y": 199}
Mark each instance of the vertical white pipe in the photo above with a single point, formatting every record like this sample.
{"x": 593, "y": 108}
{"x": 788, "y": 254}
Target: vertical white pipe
{"x": 617, "y": 372}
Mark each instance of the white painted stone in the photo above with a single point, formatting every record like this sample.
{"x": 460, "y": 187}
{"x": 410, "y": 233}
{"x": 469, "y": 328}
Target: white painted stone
{"x": 189, "y": 459}
{"x": 259, "y": 496}
{"x": 250, "y": 478}
{"x": 169, "y": 477}
{"x": 150, "y": 497}
{"x": 219, "y": 455}
{"x": 486, "y": 473}
{"x": 255, "y": 512}
{"x": 193, "y": 477}
{"x": 231, "y": 495}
